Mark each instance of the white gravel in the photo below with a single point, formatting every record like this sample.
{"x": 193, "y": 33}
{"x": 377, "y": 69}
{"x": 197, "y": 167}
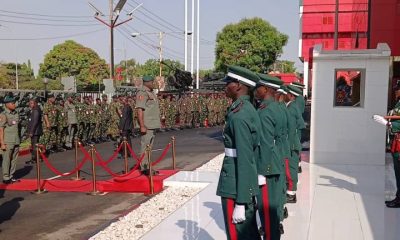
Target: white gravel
{"x": 136, "y": 223}
{"x": 214, "y": 165}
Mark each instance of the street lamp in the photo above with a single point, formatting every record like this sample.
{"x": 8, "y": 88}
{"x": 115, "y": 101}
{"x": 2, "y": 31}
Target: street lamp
{"x": 45, "y": 81}
{"x": 161, "y": 36}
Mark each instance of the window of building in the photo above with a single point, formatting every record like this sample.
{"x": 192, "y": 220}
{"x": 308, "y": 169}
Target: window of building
{"x": 349, "y": 88}
{"x": 327, "y": 20}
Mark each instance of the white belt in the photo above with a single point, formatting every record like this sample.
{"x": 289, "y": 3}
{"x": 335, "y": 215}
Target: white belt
{"x": 230, "y": 152}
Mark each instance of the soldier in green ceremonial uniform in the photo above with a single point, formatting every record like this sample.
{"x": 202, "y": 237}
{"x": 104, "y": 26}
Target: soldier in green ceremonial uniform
{"x": 301, "y": 105}
{"x": 9, "y": 139}
{"x": 148, "y": 115}
{"x": 394, "y": 128}
{"x": 270, "y": 165}
{"x": 237, "y": 184}
{"x": 294, "y": 117}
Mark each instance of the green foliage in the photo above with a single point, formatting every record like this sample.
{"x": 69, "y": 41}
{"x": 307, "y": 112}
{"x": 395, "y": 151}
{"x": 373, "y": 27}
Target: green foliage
{"x": 204, "y": 72}
{"x": 283, "y": 66}
{"x": 73, "y": 59}
{"x": 152, "y": 67}
{"x": 251, "y": 43}
{"x": 8, "y": 74}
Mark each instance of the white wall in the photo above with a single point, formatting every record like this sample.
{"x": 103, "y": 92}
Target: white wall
{"x": 348, "y": 135}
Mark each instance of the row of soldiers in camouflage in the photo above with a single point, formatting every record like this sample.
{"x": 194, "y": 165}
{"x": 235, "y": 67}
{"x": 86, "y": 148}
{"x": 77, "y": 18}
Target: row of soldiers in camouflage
{"x": 97, "y": 121}
{"x": 192, "y": 110}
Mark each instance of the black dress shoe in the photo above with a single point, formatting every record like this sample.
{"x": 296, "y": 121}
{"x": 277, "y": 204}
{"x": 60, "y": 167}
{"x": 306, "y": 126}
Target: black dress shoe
{"x": 393, "y": 204}
{"x": 396, "y": 199}
{"x": 300, "y": 170}
{"x": 30, "y": 162}
{"x": 285, "y": 213}
{"x": 291, "y": 198}
{"x": 7, "y": 181}
{"x": 281, "y": 230}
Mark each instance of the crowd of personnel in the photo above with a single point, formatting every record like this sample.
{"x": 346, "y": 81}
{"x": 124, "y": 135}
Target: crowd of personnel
{"x": 262, "y": 130}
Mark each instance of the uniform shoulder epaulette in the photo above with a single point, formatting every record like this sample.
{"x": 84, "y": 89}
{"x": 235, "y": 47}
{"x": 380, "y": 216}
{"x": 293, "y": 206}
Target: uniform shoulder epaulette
{"x": 238, "y": 107}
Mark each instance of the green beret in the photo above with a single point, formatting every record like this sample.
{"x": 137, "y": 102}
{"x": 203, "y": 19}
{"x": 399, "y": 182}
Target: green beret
{"x": 9, "y": 99}
{"x": 299, "y": 85}
{"x": 148, "y": 78}
{"x": 294, "y": 90}
{"x": 242, "y": 75}
{"x": 269, "y": 81}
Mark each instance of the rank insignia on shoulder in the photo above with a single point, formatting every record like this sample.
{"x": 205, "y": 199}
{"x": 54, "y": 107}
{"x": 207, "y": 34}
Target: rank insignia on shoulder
{"x": 238, "y": 107}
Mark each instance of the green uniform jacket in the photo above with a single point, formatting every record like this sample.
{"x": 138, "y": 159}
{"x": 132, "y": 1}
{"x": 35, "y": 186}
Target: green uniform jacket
{"x": 148, "y": 101}
{"x": 9, "y": 121}
{"x": 293, "y": 119}
{"x": 270, "y": 162}
{"x": 285, "y": 131}
{"x": 300, "y": 103}
{"x": 238, "y": 179}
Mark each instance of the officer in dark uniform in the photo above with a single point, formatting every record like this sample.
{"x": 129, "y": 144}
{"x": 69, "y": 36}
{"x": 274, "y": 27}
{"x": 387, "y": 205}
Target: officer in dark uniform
{"x": 35, "y": 129}
{"x": 126, "y": 122}
{"x": 238, "y": 185}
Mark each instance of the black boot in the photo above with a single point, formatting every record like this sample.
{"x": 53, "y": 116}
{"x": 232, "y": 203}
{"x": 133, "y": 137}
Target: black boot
{"x": 285, "y": 213}
{"x": 394, "y": 203}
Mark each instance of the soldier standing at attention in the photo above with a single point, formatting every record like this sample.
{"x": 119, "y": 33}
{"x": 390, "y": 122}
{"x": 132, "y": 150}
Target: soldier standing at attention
{"x": 295, "y": 145}
{"x": 99, "y": 118}
{"x": 9, "y": 139}
{"x": 301, "y": 105}
{"x": 62, "y": 124}
{"x": 50, "y": 115}
{"x": 70, "y": 109}
{"x": 270, "y": 165}
{"x": 238, "y": 185}
{"x": 105, "y": 117}
{"x": 148, "y": 115}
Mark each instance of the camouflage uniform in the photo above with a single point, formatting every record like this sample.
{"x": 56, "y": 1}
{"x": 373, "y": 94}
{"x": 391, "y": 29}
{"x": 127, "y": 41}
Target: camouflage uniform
{"x": 105, "y": 119}
{"x": 62, "y": 125}
{"x": 162, "y": 104}
{"x": 115, "y": 115}
{"x": 91, "y": 116}
{"x": 50, "y": 134}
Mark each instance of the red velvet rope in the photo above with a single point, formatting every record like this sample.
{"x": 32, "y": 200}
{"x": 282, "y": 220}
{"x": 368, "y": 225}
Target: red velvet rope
{"x": 103, "y": 164}
{"x": 114, "y": 154}
{"x": 53, "y": 169}
{"x": 162, "y": 155}
{"x": 134, "y": 155}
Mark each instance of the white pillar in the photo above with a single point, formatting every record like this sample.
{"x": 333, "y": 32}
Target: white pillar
{"x": 186, "y": 33}
{"x": 306, "y": 78}
{"x": 198, "y": 45}
{"x": 193, "y": 32}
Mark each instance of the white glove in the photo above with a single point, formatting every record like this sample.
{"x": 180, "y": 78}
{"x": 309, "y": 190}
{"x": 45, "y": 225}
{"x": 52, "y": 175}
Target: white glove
{"x": 262, "y": 180}
{"x": 238, "y": 215}
{"x": 380, "y": 120}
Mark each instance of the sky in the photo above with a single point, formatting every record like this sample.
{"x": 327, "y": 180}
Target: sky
{"x": 38, "y": 21}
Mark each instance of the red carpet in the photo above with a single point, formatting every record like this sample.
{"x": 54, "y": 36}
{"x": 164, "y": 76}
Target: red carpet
{"x": 135, "y": 183}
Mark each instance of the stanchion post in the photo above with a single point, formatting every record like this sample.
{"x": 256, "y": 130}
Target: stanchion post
{"x": 148, "y": 151}
{"x": 94, "y": 191}
{"x": 173, "y": 153}
{"x": 39, "y": 189}
{"x": 125, "y": 142}
{"x": 78, "y": 173}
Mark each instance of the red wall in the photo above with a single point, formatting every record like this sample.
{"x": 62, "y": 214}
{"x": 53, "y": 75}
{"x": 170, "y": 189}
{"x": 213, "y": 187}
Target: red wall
{"x": 385, "y": 24}
{"x": 318, "y": 24}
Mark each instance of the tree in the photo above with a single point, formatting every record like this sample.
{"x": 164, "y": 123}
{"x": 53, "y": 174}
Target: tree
{"x": 283, "y": 66}
{"x": 132, "y": 68}
{"x": 8, "y": 74}
{"x": 73, "y": 59}
{"x": 152, "y": 67}
{"x": 251, "y": 43}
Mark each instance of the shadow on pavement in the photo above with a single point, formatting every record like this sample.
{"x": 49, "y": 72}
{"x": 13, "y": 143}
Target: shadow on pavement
{"x": 216, "y": 209}
{"x": 192, "y": 230}
{"x": 9, "y": 208}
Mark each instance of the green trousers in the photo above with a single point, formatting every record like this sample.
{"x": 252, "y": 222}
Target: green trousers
{"x": 147, "y": 139}
{"x": 270, "y": 207}
{"x": 293, "y": 170}
{"x": 10, "y": 156}
{"x": 396, "y": 166}
{"x": 246, "y": 230}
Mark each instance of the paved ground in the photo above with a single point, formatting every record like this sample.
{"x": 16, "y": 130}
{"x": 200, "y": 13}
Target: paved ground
{"x": 77, "y": 215}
